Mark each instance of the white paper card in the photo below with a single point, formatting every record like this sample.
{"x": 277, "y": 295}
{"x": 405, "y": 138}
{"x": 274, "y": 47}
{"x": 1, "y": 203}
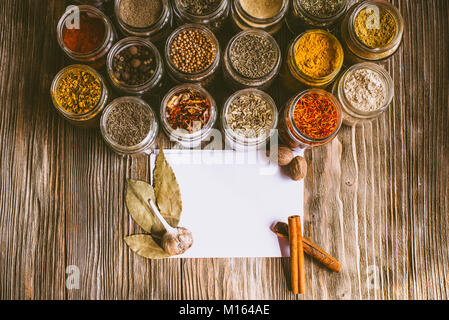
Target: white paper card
{"x": 230, "y": 201}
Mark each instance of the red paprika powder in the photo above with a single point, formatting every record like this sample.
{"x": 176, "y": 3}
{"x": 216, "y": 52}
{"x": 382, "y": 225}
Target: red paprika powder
{"x": 88, "y": 37}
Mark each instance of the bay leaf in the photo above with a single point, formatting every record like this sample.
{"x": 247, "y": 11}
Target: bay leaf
{"x": 145, "y": 246}
{"x": 166, "y": 188}
{"x": 137, "y": 195}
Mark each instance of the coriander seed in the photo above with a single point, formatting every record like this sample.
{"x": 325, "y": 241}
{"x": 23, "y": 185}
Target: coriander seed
{"x": 192, "y": 50}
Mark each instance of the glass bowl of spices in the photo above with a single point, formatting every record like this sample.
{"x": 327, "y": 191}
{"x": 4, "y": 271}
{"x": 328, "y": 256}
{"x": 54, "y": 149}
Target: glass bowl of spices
{"x": 128, "y": 126}
{"x": 315, "y": 14}
{"x": 192, "y": 54}
{"x": 311, "y": 118}
{"x": 79, "y": 94}
{"x": 314, "y": 59}
{"x": 372, "y": 31}
{"x": 212, "y": 13}
{"x": 134, "y": 66}
{"x": 144, "y": 18}
{"x": 188, "y": 115}
{"x": 252, "y": 59}
{"x": 249, "y": 119}
{"x": 86, "y": 35}
{"x": 260, "y": 14}
{"x": 365, "y": 91}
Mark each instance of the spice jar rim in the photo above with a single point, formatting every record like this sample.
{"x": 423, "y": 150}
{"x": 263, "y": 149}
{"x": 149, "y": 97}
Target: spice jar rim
{"x": 269, "y": 75}
{"x": 208, "y": 33}
{"x": 222, "y": 6}
{"x": 178, "y": 134}
{"x": 334, "y": 101}
{"x": 238, "y": 138}
{"x": 292, "y": 62}
{"x": 141, "y": 146}
{"x": 142, "y": 31}
{"x": 122, "y": 45}
{"x": 81, "y": 116}
{"x": 109, "y": 31}
{"x": 265, "y": 21}
{"x": 344, "y": 7}
{"x": 386, "y": 6}
{"x": 386, "y": 79}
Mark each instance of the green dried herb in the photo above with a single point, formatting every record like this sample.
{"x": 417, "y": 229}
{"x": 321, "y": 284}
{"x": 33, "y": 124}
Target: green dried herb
{"x": 145, "y": 246}
{"x": 166, "y": 195}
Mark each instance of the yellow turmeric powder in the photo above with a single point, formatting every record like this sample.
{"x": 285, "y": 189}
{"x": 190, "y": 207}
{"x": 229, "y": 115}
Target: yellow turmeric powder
{"x": 318, "y": 55}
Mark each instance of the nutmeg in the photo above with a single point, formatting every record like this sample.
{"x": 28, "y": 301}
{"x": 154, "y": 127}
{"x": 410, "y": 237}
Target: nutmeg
{"x": 285, "y": 155}
{"x": 298, "y": 168}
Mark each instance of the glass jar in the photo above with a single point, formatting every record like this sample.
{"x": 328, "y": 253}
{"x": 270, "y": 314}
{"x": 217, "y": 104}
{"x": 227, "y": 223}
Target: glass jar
{"x": 152, "y": 84}
{"x": 96, "y": 58}
{"x": 300, "y": 17}
{"x": 96, "y": 3}
{"x": 243, "y": 21}
{"x": 157, "y": 31}
{"x": 188, "y": 140}
{"x": 239, "y": 81}
{"x": 290, "y": 133}
{"x": 241, "y": 143}
{"x": 214, "y": 19}
{"x": 145, "y": 144}
{"x": 204, "y": 77}
{"x": 90, "y": 118}
{"x": 355, "y": 50}
{"x": 352, "y": 115}
{"x": 292, "y": 76}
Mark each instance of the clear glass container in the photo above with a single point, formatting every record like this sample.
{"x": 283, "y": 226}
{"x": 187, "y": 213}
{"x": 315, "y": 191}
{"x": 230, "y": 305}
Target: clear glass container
{"x": 243, "y": 21}
{"x": 214, "y": 20}
{"x": 290, "y": 133}
{"x": 188, "y": 140}
{"x": 352, "y": 115}
{"x": 96, "y": 3}
{"x": 145, "y": 144}
{"x": 238, "y": 142}
{"x": 355, "y": 50}
{"x": 88, "y": 119}
{"x": 152, "y": 84}
{"x": 292, "y": 76}
{"x": 239, "y": 81}
{"x": 204, "y": 77}
{"x": 158, "y": 31}
{"x": 96, "y": 58}
{"x": 299, "y": 18}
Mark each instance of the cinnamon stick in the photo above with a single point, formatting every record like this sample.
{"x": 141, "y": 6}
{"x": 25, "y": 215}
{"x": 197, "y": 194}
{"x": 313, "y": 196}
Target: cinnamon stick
{"x": 310, "y": 248}
{"x": 302, "y": 269}
{"x": 294, "y": 266}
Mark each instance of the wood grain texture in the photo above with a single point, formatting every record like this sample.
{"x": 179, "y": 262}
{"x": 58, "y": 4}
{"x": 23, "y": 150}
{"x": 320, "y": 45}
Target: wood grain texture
{"x": 377, "y": 197}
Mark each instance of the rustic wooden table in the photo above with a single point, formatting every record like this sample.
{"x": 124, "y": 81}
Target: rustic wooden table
{"x": 377, "y": 198}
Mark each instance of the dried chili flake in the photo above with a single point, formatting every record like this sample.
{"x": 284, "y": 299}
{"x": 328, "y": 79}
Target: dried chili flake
{"x": 316, "y": 116}
{"x": 188, "y": 110}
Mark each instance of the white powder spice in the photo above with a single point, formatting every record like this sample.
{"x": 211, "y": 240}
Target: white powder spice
{"x": 365, "y": 90}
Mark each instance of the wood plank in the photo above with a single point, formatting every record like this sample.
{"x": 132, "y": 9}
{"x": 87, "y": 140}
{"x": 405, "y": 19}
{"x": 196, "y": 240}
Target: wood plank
{"x": 377, "y": 198}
